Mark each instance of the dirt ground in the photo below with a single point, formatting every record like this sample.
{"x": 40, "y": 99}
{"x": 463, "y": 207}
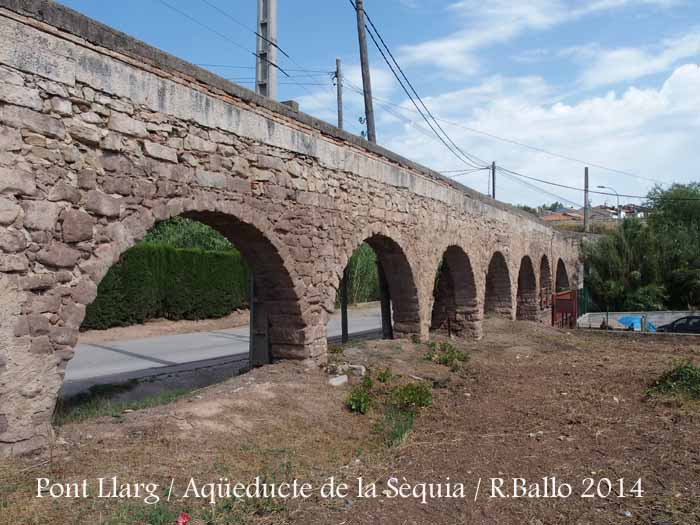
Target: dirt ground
{"x": 533, "y": 402}
{"x": 158, "y": 327}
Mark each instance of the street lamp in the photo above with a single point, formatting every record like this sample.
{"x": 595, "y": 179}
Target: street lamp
{"x": 619, "y": 210}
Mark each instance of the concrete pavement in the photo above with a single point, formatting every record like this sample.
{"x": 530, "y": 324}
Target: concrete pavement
{"x": 116, "y": 361}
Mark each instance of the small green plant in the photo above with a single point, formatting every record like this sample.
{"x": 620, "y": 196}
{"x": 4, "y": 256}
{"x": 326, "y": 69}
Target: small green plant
{"x": 395, "y": 425}
{"x": 412, "y": 395}
{"x": 335, "y": 349}
{"x": 384, "y": 376}
{"x": 683, "y": 380}
{"x": 367, "y": 382}
{"x": 359, "y": 400}
{"x": 446, "y": 354}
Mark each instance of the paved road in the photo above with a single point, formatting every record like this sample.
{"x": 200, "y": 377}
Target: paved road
{"x": 128, "y": 358}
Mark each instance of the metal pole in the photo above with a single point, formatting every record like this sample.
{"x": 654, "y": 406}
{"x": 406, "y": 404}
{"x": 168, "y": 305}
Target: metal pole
{"x": 493, "y": 179}
{"x": 344, "y": 336}
{"x": 586, "y": 204}
{"x": 265, "y": 72}
{"x": 339, "y": 87}
{"x": 385, "y": 302}
{"x": 366, "y": 81}
{"x": 344, "y": 307}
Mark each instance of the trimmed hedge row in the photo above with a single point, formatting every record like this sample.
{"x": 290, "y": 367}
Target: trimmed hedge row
{"x": 153, "y": 281}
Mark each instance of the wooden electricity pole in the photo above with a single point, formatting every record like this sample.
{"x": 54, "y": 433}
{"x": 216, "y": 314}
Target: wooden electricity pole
{"x": 385, "y": 298}
{"x": 493, "y": 179}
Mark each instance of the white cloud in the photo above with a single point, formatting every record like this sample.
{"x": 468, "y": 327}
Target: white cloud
{"x": 645, "y": 131}
{"x": 489, "y": 22}
{"x": 629, "y": 63}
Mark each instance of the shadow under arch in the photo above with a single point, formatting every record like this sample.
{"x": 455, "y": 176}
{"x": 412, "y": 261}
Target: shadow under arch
{"x": 497, "y": 296}
{"x": 545, "y": 291}
{"x": 562, "y": 278}
{"x": 526, "y": 309}
{"x": 278, "y": 312}
{"x": 402, "y": 290}
{"x": 456, "y": 306}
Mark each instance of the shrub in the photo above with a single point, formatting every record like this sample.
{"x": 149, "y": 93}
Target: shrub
{"x": 682, "y": 380}
{"x": 153, "y": 281}
{"x": 359, "y": 400}
{"x": 412, "y": 395}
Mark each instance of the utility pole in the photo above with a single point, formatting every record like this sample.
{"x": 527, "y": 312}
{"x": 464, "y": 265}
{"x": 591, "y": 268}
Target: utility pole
{"x": 366, "y": 81}
{"x": 265, "y": 72}
{"x": 586, "y": 204}
{"x": 384, "y": 297}
{"x": 493, "y": 179}
{"x": 344, "y": 282}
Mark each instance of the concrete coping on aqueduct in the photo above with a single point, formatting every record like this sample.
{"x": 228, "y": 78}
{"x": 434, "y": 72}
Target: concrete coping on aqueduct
{"x": 99, "y": 34}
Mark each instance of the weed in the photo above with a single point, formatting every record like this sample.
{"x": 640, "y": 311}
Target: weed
{"x": 384, "y": 376}
{"x": 359, "y": 400}
{"x": 98, "y": 402}
{"x": 446, "y": 354}
{"x": 335, "y": 349}
{"x": 412, "y": 395}
{"x": 683, "y": 381}
{"x": 395, "y": 425}
{"x": 367, "y": 382}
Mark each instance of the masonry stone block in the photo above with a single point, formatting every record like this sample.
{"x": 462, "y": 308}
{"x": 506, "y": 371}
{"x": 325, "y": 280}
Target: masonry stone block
{"x": 294, "y": 195}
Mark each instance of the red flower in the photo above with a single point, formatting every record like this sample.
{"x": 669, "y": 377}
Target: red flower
{"x": 183, "y": 519}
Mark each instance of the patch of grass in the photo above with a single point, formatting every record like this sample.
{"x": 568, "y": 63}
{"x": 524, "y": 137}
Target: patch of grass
{"x": 335, "y": 349}
{"x": 682, "y": 381}
{"x": 384, "y": 376}
{"x": 412, "y": 396}
{"x": 99, "y": 402}
{"x": 395, "y": 425}
{"x": 446, "y": 354}
{"x": 359, "y": 400}
{"x": 367, "y": 382}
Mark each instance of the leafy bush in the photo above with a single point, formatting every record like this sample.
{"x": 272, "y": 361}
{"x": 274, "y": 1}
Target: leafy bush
{"x": 682, "y": 380}
{"x": 180, "y": 232}
{"x": 153, "y": 281}
{"x": 412, "y": 395}
{"x": 359, "y": 400}
{"x": 363, "y": 279}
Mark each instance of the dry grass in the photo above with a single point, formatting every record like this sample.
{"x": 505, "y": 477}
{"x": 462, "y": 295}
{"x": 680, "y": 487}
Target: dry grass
{"x": 531, "y": 402}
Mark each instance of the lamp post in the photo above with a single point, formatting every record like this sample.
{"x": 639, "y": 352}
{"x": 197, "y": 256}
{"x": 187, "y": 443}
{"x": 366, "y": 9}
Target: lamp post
{"x": 619, "y": 211}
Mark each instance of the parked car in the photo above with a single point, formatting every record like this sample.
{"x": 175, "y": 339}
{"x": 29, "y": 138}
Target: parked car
{"x": 684, "y": 325}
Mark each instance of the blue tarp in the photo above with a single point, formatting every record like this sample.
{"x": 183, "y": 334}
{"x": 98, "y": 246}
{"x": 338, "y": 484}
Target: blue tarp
{"x": 636, "y": 322}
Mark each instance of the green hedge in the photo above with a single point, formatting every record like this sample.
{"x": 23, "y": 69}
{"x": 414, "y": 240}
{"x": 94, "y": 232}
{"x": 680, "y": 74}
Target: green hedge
{"x": 153, "y": 281}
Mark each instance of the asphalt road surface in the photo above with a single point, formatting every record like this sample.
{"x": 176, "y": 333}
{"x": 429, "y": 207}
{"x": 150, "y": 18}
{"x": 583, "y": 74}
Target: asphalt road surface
{"x": 116, "y": 361}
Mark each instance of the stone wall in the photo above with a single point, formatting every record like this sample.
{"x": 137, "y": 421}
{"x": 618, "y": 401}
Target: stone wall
{"x": 102, "y": 136}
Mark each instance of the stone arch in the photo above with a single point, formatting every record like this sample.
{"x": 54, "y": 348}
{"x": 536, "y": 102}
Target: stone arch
{"x": 545, "y": 283}
{"x": 40, "y": 351}
{"x": 526, "y": 309}
{"x": 498, "y": 297}
{"x": 403, "y": 292}
{"x": 455, "y": 295}
{"x": 562, "y": 279}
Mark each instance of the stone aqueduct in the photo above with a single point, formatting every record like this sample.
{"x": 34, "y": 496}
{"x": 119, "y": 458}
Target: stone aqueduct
{"x": 102, "y": 136}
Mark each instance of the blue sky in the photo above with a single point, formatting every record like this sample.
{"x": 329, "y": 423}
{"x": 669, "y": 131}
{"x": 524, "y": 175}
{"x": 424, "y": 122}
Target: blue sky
{"x": 612, "y": 82}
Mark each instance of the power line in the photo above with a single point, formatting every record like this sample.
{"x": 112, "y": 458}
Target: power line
{"x": 241, "y": 24}
{"x": 222, "y": 35}
{"x": 369, "y": 19}
{"x": 640, "y": 197}
{"x": 467, "y": 160}
{"x": 534, "y": 148}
